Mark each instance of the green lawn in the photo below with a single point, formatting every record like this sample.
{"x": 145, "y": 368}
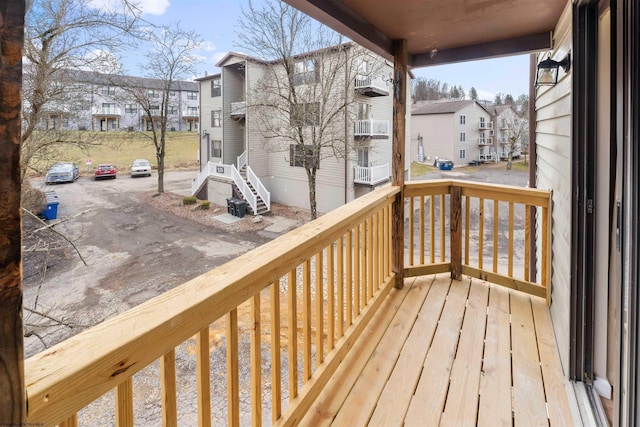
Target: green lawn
{"x": 121, "y": 148}
{"x": 418, "y": 169}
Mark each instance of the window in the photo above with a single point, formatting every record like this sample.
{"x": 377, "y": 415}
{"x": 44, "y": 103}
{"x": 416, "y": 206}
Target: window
{"x": 172, "y": 93}
{"x": 109, "y": 108}
{"x": 215, "y": 88}
{"x": 463, "y": 136}
{"x": 363, "y": 66}
{"x": 216, "y": 148}
{"x": 363, "y": 157}
{"x": 152, "y": 93}
{"x": 108, "y": 90}
{"x": 482, "y": 124}
{"x": 298, "y": 156}
{"x": 154, "y": 108}
{"x": 192, "y": 111}
{"x": 130, "y": 108}
{"x": 172, "y": 109}
{"x": 463, "y": 119}
{"x": 215, "y": 118}
{"x": 307, "y": 114}
{"x": 304, "y": 72}
{"x": 364, "y": 111}
{"x": 192, "y": 95}
{"x": 463, "y": 153}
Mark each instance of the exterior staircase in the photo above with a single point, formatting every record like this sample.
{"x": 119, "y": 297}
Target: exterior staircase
{"x": 262, "y": 207}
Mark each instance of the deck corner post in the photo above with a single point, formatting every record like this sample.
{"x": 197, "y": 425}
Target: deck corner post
{"x": 12, "y": 383}
{"x": 401, "y": 60}
{"x": 455, "y": 235}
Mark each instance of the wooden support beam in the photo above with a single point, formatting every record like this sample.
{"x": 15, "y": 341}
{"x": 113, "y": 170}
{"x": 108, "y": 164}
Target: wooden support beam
{"x": 399, "y": 112}
{"x": 455, "y": 232}
{"x": 12, "y": 391}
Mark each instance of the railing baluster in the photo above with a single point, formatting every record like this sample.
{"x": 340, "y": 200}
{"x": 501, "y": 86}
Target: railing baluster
{"x": 124, "y": 404}
{"x": 203, "y": 370}
{"x": 385, "y": 251}
{"x": 370, "y": 249}
{"x": 421, "y": 230}
{"x": 467, "y": 217}
{"x": 256, "y": 363}
{"x": 356, "y": 271}
{"x": 168, "y": 389}
{"x": 319, "y": 310}
{"x": 276, "y": 380}
{"x": 496, "y": 221}
{"x": 340, "y": 285}
{"x": 510, "y": 267}
{"x": 527, "y": 242}
{"x": 330, "y": 299}
{"x": 292, "y": 346}
{"x": 455, "y": 230}
{"x": 233, "y": 383}
{"x": 378, "y": 251}
{"x": 363, "y": 265}
{"x": 480, "y": 232}
{"x": 349, "y": 278}
{"x": 411, "y": 219}
{"x": 306, "y": 320}
{"x": 432, "y": 231}
{"x": 442, "y": 229}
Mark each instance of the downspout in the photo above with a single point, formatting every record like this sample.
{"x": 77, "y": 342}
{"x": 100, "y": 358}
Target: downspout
{"x": 346, "y": 125}
{"x": 533, "y": 161}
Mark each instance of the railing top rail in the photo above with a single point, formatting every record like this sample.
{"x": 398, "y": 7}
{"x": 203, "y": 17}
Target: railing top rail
{"x": 508, "y": 193}
{"x": 97, "y": 360}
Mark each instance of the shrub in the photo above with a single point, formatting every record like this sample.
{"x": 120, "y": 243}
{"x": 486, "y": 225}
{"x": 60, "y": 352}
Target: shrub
{"x": 33, "y": 199}
{"x": 189, "y": 200}
{"x": 205, "y": 205}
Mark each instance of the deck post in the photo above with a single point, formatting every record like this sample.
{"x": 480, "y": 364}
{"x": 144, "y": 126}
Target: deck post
{"x": 455, "y": 229}
{"x": 397, "y": 174}
{"x": 12, "y": 391}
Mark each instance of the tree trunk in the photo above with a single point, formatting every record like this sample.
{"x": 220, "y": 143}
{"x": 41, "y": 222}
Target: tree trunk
{"x": 311, "y": 179}
{"x": 12, "y": 391}
{"x": 160, "y": 173}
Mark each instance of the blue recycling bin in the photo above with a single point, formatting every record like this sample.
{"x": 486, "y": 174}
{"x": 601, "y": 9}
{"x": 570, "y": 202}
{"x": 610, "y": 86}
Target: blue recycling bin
{"x": 52, "y": 206}
{"x": 445, "y": 165}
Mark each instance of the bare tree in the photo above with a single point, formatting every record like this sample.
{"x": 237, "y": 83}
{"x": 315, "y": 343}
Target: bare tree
{"x": 171, "y": 57}
{"x": 304, "y": 98}
{"x": 515, "y": 130}
{"x": 61, "y": 37}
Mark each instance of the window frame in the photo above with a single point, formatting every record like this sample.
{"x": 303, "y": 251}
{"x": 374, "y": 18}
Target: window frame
{"x": 192, "y": 96}
{"x": 131, "y": 108}
{"x": 216, "y": 148}
{"x": 296, "y": 158}
{"x": 216, "y": 118}
{"x": 303, "y": 73}
{"x": 216, "y": 87}
{"x": 463, "y": 136}
{"x": 305, "y": 114}
{"x": 463, "y": 119}
{"x": 462, "y": 154}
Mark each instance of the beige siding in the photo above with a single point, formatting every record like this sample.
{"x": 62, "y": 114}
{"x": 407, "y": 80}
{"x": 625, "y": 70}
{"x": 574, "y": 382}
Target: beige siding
{"x": 257, "y": 155}
{"x": 553, "y": 140}
{"x": 233, "y": 130}
{"x": 208, "y": 104}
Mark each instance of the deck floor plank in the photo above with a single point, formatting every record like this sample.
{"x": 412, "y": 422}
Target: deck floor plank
{"x": 552, "y": 374}
{"x": 395, "y": 398}
{"x": 336, "y": 393}
{"x": 428, "y": 400}
{"x": 529, "y": 406}
{"x": 461, "y": 407}
{"x": 495, "y": 381}
{"x": 362, "y": 400}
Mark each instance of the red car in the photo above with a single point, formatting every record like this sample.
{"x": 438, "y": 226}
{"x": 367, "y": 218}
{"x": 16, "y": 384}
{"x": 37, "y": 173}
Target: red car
{"x": 105, "y": 171}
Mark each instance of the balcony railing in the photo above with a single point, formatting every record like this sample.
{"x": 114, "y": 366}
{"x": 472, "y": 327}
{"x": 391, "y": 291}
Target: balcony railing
{"x": 311, "y": 293}
{"x": 238, "y": 109}
{"x": 190, "y": 113}
{"x": 105, "y": 111}
{"x": 372, "y": 175}
{"x": 371, "y": 128}
{"x": 485, "y": 125}
{"x": 485, "y": 141}
{"x": 371, "y": 85}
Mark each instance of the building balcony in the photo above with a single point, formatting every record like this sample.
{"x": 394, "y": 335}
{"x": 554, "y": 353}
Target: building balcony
{"x": 371, "y": 128}
{"x": 372, "y": 175}
{"x": 106, "y": 111}
{"x": 485, "y": 141}
{"x": 191, "y": 113}
{"x": 485, "y": 125}
{"x": 371, "y": 85}
{"x": 238, "y": 110}
{"x": 465, "y": 338}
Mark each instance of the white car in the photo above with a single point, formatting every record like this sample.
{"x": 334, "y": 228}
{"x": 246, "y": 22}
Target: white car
{"x": 140, "y": 167}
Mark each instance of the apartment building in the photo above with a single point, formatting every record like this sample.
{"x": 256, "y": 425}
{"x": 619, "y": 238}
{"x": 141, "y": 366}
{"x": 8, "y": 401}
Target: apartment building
{"x": 103, "y": 102}
{"x": 507, "y": 121}
{"x": 239, "y": 154}
{"x": 460, "y": 131}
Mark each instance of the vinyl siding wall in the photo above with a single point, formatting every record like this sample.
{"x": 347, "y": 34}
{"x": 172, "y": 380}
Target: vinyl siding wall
{"x": 553, "y": 140}
{"x": 232, "y": 129}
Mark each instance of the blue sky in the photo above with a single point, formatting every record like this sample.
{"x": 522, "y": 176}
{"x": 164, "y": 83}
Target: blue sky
{"x": 215, "y": 21}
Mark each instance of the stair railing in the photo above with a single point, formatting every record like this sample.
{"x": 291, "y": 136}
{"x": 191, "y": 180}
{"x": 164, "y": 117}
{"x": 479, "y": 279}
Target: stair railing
{"x": 263, "y": 193}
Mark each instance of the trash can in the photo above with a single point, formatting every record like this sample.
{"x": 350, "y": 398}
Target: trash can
{"x": 230, "y": 203}
{"x": 52, "y": 206}
{"x": 241, "y": 208}
{"x": 445, "y": 165}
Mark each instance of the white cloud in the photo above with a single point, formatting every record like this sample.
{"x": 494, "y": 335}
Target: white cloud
{"x": 207, "y": 46}
{"x": 151, "y": 7}
{"x": 485, "y": 95}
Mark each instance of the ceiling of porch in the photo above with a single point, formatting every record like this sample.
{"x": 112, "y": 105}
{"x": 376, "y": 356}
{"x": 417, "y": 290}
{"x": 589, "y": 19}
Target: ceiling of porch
{"x": 439, "y": 32}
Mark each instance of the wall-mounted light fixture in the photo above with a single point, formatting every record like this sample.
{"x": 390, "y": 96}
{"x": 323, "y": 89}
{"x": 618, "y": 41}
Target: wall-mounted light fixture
{"x": 547, "y": 74}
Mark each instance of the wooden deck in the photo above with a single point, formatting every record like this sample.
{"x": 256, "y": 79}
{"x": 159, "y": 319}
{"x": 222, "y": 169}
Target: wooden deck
{"x": 443, "y": 352}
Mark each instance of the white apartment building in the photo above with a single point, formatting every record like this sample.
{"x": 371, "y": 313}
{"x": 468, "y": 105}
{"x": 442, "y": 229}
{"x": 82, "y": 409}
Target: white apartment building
{"x": 459, "y": 131}
{"x": 504, "y": 118}
{"x": 237, "y": 156}
{"x": 102, "y": 102}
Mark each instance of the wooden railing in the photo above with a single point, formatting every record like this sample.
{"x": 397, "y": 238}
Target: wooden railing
{"x": 481, "y": 230}
{"x": 318, "y": 287}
